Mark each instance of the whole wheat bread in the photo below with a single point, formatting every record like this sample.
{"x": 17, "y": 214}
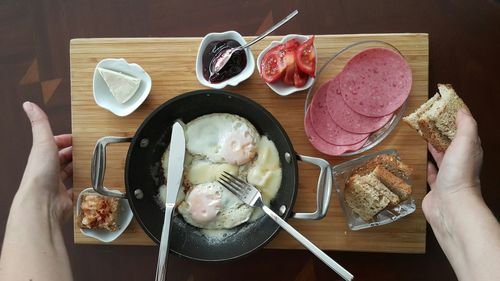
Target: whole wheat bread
{"x": 435, "y": 119}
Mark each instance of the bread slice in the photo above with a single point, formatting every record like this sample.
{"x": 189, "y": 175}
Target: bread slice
{"x": 413, "y": 118}
{"x": 363, "y": 196}
{"x": 435, "y": 119}
{"x": 395, "y": 184}
{"x": 389, "y": 162}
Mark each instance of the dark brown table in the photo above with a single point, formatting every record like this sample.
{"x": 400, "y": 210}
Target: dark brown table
{"x": 34, "y": 65}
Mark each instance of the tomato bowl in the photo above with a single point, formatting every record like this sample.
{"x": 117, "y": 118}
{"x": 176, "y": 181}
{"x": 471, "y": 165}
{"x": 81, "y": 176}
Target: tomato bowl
{"x": 279, "y": 86}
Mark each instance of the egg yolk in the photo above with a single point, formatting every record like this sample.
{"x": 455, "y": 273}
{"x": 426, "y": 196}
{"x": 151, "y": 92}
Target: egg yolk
{"x": 204, "y": 205}
{"x": 238, "y": 148}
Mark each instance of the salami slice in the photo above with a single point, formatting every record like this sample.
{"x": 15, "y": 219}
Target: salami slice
{"x": 325, "y": 126}
{"x": 347, "y": 118}
{"x": 324, "y": 146}
{"x": 376, "y": 82}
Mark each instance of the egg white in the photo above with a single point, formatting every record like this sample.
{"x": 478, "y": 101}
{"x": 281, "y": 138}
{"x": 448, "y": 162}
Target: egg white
{"x": 204, "y": 164}
{"x": 232, "y": 212}
{"x": 205, "y": 135}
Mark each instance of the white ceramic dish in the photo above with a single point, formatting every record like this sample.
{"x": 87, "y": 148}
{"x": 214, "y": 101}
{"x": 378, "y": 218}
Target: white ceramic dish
{"x": 341, "y": 174}
{"x": 103, "y": 96}
{"x": 124, "y": 219}
{"x": 279, "y": 87}
{"x": 234, "y": 81}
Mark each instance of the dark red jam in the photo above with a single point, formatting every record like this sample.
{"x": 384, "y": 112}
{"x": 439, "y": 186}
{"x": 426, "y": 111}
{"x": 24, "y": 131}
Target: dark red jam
{"x": 233, "y": 67}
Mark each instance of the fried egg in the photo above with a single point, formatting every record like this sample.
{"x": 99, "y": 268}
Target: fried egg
{"x": 217, "y": 143}
{"x": 265, "y": 172}
{"x": 211, "y": 206}
{"x": 222, "y": 137}
{"x": 203, "y": 171}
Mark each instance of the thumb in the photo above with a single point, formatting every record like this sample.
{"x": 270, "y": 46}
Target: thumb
{"x": 466, "y": 125}
{"x": 40, "y": 126}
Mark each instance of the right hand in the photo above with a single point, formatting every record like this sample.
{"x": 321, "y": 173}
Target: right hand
{"x": 458, "y": 173}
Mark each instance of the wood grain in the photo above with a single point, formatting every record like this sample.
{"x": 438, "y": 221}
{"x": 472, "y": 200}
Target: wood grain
{"x": 170, "y": 63}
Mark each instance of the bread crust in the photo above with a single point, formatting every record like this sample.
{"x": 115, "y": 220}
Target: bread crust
{"x": 432, "y": 135}
{"x": 394, "y": 183}
{"x": 378, "y": 184}
{"x": 365, "y": 200}
{"x": 435, "y": 119}
{"x": 389, "y": 162}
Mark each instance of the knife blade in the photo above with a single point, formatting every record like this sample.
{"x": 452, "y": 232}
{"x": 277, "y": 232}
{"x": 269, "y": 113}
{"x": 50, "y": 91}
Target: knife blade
{"x": 174, "y": 177}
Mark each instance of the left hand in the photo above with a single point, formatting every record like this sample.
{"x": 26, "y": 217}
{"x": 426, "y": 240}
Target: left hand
{"x": 49, "y": 165}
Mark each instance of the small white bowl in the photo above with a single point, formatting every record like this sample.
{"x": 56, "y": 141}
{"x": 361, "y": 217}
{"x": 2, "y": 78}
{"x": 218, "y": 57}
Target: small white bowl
{"x": 103, "y": 96}
{"x": 106, "y": 236}
{"x": 235, "y": 80}
{"x": 279, "y": 87}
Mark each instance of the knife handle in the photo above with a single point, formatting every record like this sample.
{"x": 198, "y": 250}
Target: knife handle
{"x": 161, "y": 267}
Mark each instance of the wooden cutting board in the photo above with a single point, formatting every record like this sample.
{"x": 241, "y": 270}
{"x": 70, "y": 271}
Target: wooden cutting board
{"x": 170, "y": 63}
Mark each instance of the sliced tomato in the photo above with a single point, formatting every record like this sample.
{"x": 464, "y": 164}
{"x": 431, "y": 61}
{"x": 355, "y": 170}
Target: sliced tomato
{"x": 291, "y": 44}
{"x": 305, "y": 57}
{"x": 289, "y": 75}
{"x": 299, "y": 78}
{"x": 280, "y": 61}
{"x": 289, "y": 60}
{"x": 272, "y": 66}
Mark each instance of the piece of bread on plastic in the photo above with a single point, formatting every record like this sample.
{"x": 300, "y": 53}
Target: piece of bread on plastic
{"x": 395, "y": 184}
{"x": 364, "y": 195}
{"x": 389, "y": 162}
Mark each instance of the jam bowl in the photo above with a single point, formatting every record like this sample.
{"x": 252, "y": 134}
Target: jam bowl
{"x": 331, "y": 69}
{"x": 239, "y": 68}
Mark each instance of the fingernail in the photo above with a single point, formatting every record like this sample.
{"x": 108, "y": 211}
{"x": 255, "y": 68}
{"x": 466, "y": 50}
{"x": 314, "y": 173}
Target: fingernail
{"x": 28, "y": 106}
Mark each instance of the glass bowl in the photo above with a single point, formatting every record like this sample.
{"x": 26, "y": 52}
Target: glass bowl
{"x": 341, "y": 174}
{"x": 333, "y": 67}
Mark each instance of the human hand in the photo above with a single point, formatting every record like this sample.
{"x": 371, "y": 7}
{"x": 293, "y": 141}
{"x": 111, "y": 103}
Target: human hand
{"x": 458, "y": 175}
{"x": 49, "y": 165}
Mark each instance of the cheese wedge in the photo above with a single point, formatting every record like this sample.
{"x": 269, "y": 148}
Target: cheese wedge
{"x": 121, "y": 86}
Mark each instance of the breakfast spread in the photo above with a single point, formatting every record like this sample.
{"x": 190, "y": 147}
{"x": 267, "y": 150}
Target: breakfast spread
{"x": 380, "y": 183}
{"x": 435, "y": 119}
{"x": 234, "y": 66}
{"x": 98, "y": 212}
{"x": 216, "y": 143}
{"x": 291, "y": 62}
{"x": 357, "y": 102}
{"x": 222, "y": 142}
{"x": 122, "y": 86}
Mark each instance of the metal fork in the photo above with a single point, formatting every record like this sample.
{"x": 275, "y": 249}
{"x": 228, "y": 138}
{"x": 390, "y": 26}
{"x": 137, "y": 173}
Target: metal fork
{"x": 251, "y": 196}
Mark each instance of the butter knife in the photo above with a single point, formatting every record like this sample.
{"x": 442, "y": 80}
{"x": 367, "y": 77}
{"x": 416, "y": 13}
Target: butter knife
{"x": 174, "y": 177}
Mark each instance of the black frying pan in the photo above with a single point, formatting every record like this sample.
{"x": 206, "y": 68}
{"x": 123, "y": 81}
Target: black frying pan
{"x": 143, "y": 170}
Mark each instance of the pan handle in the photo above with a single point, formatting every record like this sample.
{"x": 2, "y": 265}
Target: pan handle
{"x": 98, "y": 166}
{"x": 323, "y": 189}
